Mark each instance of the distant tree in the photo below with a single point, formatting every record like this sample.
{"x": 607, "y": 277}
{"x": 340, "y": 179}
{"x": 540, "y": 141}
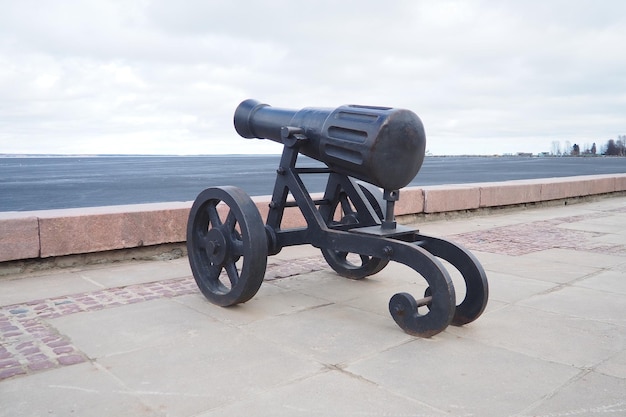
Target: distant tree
{"x": 575, "y": 150}
{"x": 556, "y": 147}
{"x": 611, "y": 148}
{"x": 615, "y": 147}
{"x": 620, "y": 143}
{"x": 567, "y": 150}
{"x": 593, "y": 148}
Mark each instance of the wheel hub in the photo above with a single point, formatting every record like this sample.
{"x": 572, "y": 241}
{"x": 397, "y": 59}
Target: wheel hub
{"x": 217, "y": 247}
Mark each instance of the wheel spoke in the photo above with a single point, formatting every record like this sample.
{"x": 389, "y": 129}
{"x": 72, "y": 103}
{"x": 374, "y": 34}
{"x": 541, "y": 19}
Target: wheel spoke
{"x": 231, "y": 220}
{"x": 214, "y": 217}
{"x": 233, "y": 274}
{"x": 202, "y": 240}
{"x": 214, "y": 272}
{"x": 236, "y": 248}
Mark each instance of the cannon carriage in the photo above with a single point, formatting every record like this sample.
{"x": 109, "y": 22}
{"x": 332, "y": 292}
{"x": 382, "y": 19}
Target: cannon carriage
{"x": 363, "y": 149}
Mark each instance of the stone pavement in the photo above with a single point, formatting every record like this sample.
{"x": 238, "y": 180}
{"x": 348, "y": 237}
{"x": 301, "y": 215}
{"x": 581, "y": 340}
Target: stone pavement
{"x": 138, "y": 339}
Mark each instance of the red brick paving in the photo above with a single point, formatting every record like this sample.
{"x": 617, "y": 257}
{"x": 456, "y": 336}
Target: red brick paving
{"x": 521, "y": 239}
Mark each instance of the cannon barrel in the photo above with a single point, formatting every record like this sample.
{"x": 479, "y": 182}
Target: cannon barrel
{"x": 380, "y": 145}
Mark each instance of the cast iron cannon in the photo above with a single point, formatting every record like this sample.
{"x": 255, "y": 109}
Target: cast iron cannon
{"x": 353, "y": 224}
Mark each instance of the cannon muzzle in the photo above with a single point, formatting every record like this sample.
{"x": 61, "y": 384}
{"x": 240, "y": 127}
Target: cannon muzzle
{"x": 380, "y": 145}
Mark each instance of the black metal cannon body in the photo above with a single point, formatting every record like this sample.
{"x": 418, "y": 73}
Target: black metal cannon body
{"x": 353, "y": 224}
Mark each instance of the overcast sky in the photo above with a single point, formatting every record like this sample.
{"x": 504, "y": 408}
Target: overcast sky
{"x": 164, "y": 77}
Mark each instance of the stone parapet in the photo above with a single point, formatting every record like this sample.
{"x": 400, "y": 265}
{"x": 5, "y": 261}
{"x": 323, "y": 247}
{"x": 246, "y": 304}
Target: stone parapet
{"x": 559, "y": 188}
{"x": 19, "y": 236}
{"x": 453, "y": 197}
{"x": 508, "y": 193}
{"x": 97, "y": 229}
{"x": 50, "y": 233}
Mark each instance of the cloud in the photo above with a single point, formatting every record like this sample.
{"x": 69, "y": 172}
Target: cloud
{"x": 142, "y": 76}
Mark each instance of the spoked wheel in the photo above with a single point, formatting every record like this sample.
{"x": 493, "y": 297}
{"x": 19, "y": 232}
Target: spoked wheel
{"x": 352, "y": 265}
{"x": 226, "y": 245}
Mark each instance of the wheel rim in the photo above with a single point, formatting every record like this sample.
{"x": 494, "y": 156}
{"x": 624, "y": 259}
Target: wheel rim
{"x": 352, "y": 265}
{"x": 227, "y": 246}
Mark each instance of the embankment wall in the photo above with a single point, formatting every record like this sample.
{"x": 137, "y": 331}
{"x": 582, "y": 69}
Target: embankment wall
{"x": 56, "y": 233}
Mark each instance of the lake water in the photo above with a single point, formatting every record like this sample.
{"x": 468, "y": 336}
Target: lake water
{"x": 40, "y": 183}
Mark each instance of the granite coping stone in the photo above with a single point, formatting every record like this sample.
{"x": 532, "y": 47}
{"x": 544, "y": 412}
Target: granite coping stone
{"x": 19, "y": 238}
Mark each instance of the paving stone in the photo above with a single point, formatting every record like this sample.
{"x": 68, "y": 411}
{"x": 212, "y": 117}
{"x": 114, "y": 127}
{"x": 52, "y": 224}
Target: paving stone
{"x": 131, "y": 327}
{"x": 511, "y": 288}
{"x": 464, "y": 377}
{"x": 208, "y": 368}
{"x": 326, "y": 394}
{"x": 137, "y": 273}
{"x": 608, "y": 223}
{"x": 554, "y": 270}
{"x": 81, "y": 390}
{"x": 332, "y": 334}
{"x": 270, "y": 301}
{"x": 16, "y": 291}
{"x": 592, "y": 395}
{"x": 610, "y": 281}
{"x": 582, "y": 302}
{"x": 580, "y": 258}
{"x": 615, "y": 365}
{"x": 574, "y": 341}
